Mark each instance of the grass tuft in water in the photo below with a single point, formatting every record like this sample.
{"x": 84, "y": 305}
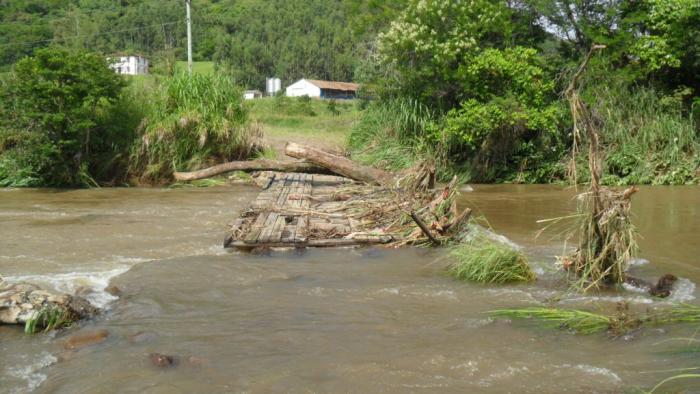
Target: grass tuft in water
{"x": 584, "y": 322}
{"x": 581, "y": 322}
{"x": 48, "y": 318}
{"x": 484, "y": 260}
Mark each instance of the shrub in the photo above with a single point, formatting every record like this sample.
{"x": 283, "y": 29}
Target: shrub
{"x": 332, "y": 107}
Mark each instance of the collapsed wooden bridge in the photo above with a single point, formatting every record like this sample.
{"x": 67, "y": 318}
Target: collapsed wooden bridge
{"x": 300, "y": 210}
{"x": 363, "y": 206}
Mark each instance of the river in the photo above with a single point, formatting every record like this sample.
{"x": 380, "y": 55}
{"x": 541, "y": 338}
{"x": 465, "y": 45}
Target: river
{"x": 336, "y": 320}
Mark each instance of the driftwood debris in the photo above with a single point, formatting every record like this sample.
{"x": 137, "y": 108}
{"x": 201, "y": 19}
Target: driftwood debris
{"x": 251, "y": 165}
{"x": 338, "y": 164}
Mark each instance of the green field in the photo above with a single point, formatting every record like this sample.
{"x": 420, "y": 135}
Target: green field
{"x": 324, "y": 129}
{"x": 197, "y": 67}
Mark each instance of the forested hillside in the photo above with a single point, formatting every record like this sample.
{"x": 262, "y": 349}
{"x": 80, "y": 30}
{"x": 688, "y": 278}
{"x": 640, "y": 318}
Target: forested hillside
{"x": 250, "y": 39}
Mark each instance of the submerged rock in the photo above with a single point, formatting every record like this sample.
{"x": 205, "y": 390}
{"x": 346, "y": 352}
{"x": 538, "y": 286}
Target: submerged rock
{"x": 162, "y": 360}
{"x": 142, "y": 336}
{"x": 86, "y": 338}
{"x": 113, "y": 290}
{"x": 23, "y": 302}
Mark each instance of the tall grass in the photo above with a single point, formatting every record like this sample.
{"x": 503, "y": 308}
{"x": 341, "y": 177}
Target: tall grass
{"x": 390, "y": 134}
{"x": 649, "y": 137}
{"x": 192, "y": 121}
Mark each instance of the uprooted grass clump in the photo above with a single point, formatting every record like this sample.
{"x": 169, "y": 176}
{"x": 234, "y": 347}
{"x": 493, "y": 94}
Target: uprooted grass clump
{"x": 481, "y": 259}
{"x": 607, "y": 240}
{"x": 621, "y": 322}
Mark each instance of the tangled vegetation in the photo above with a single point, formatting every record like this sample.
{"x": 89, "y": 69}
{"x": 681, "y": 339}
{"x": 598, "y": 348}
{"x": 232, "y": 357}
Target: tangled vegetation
{"x": 492, "y": 76}
{"x": 66, "y": 119}
{"x": 484, "y": 260}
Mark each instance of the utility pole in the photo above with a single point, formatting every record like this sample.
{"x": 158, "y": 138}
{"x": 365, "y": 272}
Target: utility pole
{"x": 189, "y": 37}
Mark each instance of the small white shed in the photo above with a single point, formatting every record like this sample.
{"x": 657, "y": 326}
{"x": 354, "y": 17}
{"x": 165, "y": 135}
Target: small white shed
{"x": 252, "y": 94}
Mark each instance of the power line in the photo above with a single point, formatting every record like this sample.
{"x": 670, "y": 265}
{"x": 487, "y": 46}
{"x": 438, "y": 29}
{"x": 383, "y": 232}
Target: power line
{"x": 90, "y": 35}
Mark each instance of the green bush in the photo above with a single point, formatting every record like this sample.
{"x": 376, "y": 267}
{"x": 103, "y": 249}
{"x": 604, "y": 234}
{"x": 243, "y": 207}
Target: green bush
{"x": 332, "y": 107}
{"x": 60, "y": 102}
{"x": 193, "y": 121}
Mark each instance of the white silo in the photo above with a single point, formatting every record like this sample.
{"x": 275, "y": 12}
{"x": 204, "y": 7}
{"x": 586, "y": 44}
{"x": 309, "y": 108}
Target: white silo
{"x": 277, "y": 85}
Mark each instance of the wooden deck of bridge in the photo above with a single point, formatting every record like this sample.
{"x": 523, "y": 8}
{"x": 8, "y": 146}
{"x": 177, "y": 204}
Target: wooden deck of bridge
{"x": 298, "y": 210}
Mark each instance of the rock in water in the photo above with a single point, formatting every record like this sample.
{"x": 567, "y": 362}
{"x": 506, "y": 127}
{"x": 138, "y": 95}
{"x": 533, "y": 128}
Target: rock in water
{"x": 114, "y": 290}
{"x": 162, "y": 360}
{"x": 22, "y": 302}
{"x": 86, "y": 338}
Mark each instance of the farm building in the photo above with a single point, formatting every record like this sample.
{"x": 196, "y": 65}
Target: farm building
{"x": 252, "y": 94}
{"x": 129, "y": 65}
{"x": 322, "y": 89}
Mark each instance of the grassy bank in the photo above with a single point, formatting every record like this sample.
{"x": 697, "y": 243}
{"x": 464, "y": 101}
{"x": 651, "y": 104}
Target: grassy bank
{"x": 306, "y": 121}
{"x": 647, "y": 137}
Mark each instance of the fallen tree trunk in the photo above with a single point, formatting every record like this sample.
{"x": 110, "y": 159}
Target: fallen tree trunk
{"x": 338, "y": 164}
{"x": 251, "y": 165}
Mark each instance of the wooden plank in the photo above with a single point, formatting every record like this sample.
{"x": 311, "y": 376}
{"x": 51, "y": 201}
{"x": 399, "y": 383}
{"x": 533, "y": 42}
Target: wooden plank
{"x": 257, "y": 227}
{"x": 266, "y": 233}
{"x": 277, "y": 229}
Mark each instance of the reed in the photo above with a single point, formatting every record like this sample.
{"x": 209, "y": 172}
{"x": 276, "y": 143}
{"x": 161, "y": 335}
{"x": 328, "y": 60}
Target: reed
{"x": 484, "y": 260}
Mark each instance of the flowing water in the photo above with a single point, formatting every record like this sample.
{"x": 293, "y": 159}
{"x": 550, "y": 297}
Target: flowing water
{"x": 337, "y": 320}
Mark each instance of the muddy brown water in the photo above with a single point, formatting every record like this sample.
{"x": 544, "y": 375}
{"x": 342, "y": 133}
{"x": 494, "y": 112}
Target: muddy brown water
{"x": 341, "y": 320}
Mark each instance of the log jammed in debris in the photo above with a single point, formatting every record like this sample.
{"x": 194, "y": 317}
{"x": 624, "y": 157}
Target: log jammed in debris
{"x": 338, "y": 164}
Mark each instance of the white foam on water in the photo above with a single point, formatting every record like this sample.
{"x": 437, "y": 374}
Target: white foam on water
{"x": 598, "y": 371}
{"x": 32, "y": 373}
{"x": 70, "y": 282}
{"x": 637, "y": 262}
{"x": 683, "y": 291}
{"x": 582, "y": 299}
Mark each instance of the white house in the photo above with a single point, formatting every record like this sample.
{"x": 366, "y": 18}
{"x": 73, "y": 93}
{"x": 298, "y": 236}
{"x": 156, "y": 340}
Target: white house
{"x": 129, "y": 65}
{"x": 322, "y": 89}
{"x": 252, "y": 94}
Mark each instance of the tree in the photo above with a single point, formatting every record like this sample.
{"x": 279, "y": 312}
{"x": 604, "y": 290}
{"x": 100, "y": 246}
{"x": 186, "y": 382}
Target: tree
{"x": 61, "y": 98}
